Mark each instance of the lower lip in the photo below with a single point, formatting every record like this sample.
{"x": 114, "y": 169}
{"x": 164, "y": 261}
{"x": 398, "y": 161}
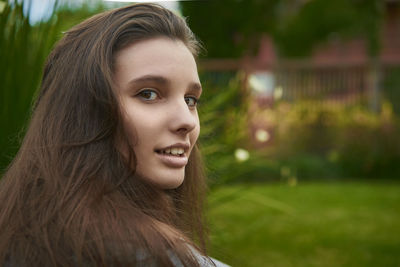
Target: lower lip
{"x": 173, "y": 161}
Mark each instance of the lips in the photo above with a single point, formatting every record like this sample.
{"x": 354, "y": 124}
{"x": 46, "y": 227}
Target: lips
{"x": 174, "y": 156}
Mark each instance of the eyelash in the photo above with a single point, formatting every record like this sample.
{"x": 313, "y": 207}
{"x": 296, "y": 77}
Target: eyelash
{"x": 142, "y": 93}
{"x": 195, "y": 100}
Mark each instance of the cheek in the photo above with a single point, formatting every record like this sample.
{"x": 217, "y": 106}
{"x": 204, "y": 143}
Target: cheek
{"x": 143, "y": 122}
{"x": 195, "y": 133}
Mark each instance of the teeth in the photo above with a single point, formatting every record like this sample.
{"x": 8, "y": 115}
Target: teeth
{"x": 174, "y": 151}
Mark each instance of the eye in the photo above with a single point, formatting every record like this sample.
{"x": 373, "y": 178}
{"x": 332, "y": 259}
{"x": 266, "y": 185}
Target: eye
{"x": 191, "y": 101}
{"x": 148, "y": 94}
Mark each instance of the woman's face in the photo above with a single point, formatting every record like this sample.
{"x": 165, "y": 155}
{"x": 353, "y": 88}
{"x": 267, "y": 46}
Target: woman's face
{"x": 159, "y": 86}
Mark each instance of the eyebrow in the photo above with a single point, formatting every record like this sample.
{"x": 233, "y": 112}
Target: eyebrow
{"x": 161, "y": 80}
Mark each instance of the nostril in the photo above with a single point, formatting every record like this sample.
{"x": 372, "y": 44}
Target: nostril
{"x": 182, "y": 129}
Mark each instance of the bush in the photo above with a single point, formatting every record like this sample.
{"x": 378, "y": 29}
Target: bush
{"x": 307, "y": 139}
{"x": 325, "y": 141}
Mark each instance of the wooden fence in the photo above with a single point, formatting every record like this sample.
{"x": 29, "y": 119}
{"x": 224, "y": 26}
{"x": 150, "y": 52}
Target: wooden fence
{"x": 330, "y": 84}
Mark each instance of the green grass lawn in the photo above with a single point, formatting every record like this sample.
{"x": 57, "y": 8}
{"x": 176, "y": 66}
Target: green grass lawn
{"x": 311, "y": 224}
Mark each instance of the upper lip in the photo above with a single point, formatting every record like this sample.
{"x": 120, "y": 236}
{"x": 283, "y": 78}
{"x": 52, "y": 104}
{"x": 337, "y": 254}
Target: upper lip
{"x": 185, "y": 147}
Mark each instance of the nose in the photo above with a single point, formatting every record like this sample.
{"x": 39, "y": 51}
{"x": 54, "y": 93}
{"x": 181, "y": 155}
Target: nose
{"x": 183, "y": 119}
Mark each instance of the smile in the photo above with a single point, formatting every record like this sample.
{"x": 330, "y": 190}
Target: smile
{"x": 174, "y": 156}
{"x": 172, "y": 151}
{"x": 178, "y": 150}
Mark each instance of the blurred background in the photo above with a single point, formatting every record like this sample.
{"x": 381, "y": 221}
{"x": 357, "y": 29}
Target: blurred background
{"x": 300, "y": 120}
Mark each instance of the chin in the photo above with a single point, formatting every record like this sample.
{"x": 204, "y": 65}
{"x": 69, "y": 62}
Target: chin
{"x": 165, "y": 182}
{"x": 171, "y": 184}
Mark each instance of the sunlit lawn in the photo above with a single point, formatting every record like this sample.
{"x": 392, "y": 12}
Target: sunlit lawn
{"x": 311, "y": 224}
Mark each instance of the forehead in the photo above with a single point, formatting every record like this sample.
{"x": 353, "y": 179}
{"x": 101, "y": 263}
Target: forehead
{"x": 158, "y": 56}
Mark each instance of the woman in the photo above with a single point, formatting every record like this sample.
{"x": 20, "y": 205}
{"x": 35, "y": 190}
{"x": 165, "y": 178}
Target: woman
{"x": 108, "y": 173}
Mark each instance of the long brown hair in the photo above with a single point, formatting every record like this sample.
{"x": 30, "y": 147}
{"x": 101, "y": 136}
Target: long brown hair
{"x": 69, "y": 197}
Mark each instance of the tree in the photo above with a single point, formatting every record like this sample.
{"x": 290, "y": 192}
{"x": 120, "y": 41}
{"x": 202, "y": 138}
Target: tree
{"x": 233, "y": 28}
{"x": 230, "y": 28}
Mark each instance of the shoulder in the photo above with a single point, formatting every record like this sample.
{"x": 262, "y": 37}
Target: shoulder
{"x": 202, "y": 260}
{"x": 207, "y": 261}
{"x": 217, "y": 263}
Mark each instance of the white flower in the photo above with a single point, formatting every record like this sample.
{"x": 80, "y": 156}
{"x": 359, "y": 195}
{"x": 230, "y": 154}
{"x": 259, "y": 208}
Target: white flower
{"x": 262, "y": 135}
{"x": 241, "y": 154}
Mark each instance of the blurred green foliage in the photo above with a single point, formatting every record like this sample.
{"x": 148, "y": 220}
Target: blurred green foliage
{"x": 319, "y": 21}
{"x": 233, "y": 28}
{"x": 24, "y": 46}
{"x": 223, "y": 115}
{"x": 23, "y": 49}
{"x": 391, "y": 88}
{"x": 311, "y": 139}
{"x": 228, "y": 28}
{"x": 336, "y": 141}
{"x": 308, "y": 142}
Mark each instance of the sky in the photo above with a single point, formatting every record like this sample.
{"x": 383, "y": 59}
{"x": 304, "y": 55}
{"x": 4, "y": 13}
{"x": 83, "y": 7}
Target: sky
{"x": 41, "y": 9}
